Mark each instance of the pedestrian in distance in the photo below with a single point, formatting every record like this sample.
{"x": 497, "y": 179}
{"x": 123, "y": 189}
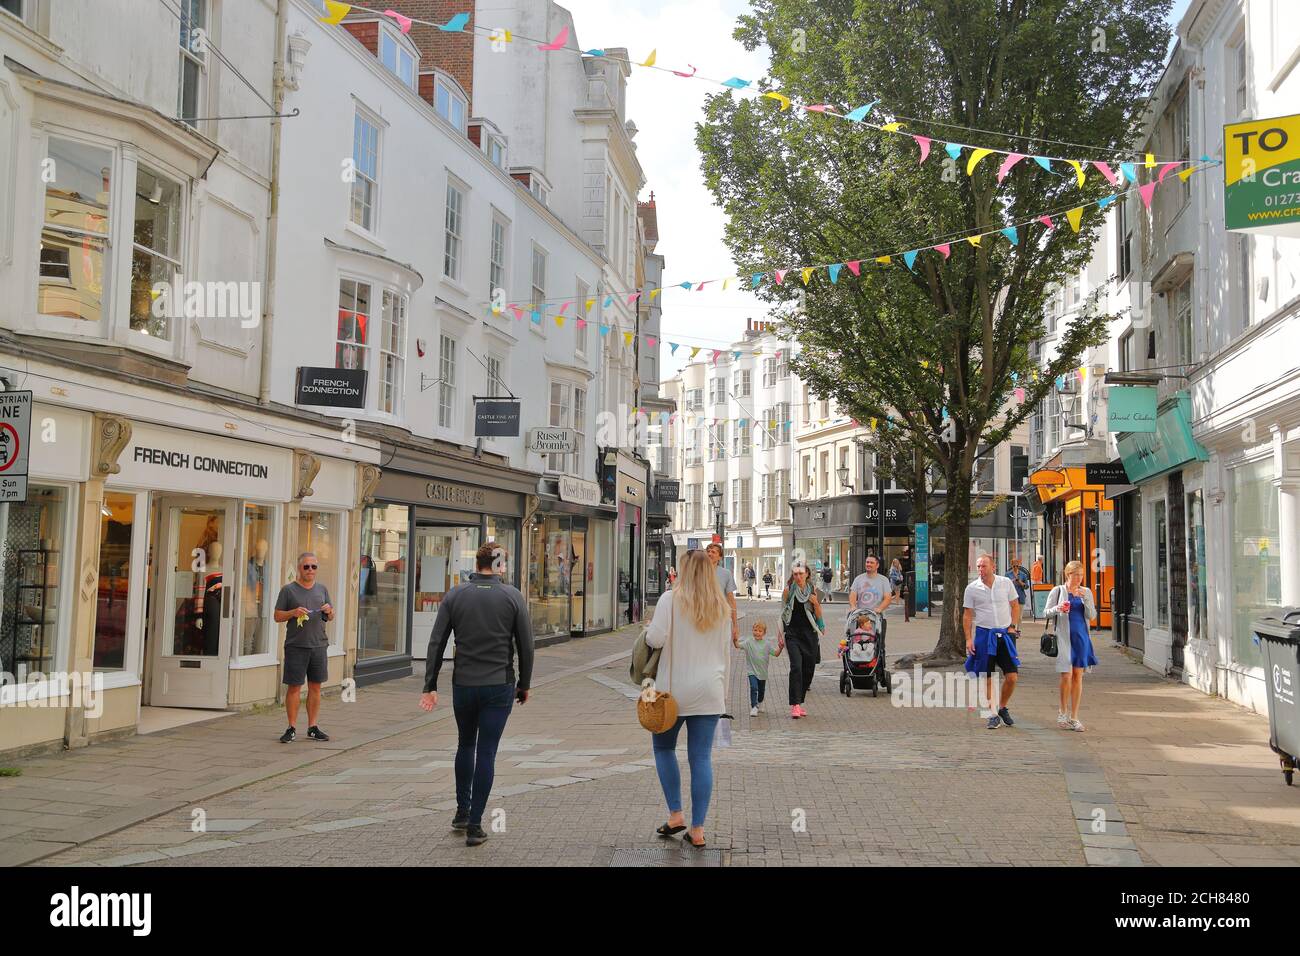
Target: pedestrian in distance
{"x": 1073, "y": 602}
{"x": 491, "y": 623}
{"x": 991, "y": 620}
{"x": 303, "y": 606}
{"x": 726, "y": 581}
{"x": 693, "y": 668}
{"x": 1020, "y": 578}
{"x": 672, "y": 576}
{"x": 767, "y": 585}
{"x": 758, "y": 651}
{"x": 827, "y": 577}
{"x": 801, "y": 619}
{"x": 749, "y": 581}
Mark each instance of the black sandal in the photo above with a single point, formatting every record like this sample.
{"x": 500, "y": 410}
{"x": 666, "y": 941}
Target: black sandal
{"x": 689, "y": 842}
{"x": 666, "y": 831}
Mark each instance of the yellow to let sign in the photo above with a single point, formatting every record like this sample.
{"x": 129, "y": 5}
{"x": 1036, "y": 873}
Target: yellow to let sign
{"x": 1261, "y": 175}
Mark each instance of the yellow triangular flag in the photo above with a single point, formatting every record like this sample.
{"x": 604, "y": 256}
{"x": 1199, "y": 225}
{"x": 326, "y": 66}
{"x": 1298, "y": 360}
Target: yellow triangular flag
{"x": 1075, "y": 216}
{"x": 924, "y": 364}
{"x": 650, "y": 60}
{"x": 1185, "y": 173}
{"x": 891, "y": 127}
{"x": 975, "y": 156}
{"x": 781, "y": 97}
{"x": 653, "y": 293}
{"x": 807, "y": 274}
{"x": 1078, "y": 171}
{"x": 1151, "y": 160}
{"x": 725, "y": 283}
{"x": 627, "y": 338}
{"x": 883, "y": 260}
{"x": 590, "y": 303}
{"x": 335, "y": 12}
{"x": 695, "y": 351}
{"x": 873, "y": 424}
{"x": 974, "y": 240}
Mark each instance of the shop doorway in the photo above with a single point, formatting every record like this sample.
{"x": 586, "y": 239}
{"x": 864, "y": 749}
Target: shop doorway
{"x": 444, "y": 557}
{"x": 578, "y": 582}
{"x": 193, "y": 610}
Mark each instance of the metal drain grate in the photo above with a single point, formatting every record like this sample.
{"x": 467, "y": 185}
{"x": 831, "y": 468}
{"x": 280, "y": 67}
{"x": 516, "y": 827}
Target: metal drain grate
{"x": 667, "y": 856}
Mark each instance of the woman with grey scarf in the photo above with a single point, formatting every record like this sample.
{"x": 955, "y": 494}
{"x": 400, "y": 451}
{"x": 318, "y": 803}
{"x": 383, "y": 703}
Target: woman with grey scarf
{"x": 800, "y": 617}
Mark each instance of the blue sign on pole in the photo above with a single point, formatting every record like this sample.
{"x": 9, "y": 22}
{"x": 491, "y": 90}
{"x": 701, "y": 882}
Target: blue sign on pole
{"x": 922, "y": 566}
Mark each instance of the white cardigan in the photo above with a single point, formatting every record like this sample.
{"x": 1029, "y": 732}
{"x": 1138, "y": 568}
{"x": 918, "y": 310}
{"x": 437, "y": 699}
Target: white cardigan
{"x": 697, "y": 679}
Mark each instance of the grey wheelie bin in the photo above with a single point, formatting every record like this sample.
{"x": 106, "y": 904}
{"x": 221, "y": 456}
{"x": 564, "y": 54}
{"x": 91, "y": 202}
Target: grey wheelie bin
{"x": 1279, "y": 639}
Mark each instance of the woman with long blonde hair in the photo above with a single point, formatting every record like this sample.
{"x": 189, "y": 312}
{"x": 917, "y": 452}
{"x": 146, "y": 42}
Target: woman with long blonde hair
{"x": 1073, "y": 603}
{"x": 692, "y": 622}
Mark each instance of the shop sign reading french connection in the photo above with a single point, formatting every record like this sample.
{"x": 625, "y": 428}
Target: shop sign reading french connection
{"x": 170, "y": 459}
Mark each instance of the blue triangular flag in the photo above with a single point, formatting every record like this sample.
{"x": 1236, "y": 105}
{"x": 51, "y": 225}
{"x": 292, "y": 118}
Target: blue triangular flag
{"x": 673, "y": 346}
{"x": 1044, "y": 162}
{"x": 537, "y": 316}
{"x": 909, "y": 258}
{"x": 594, "y": 52}
{"x": 1105, "y": 201}
{"x": 684, "y": 285}
{"x": 736, "y": 355}
{"x": 1130, "y": 171}
{"x": 456, "y": 24}
{"x": 1060, "y": 382}
{"x": 834, "y": 270}
{"x": 954, "y": 149}
{"x": 1014, "y": 377}
{"x": 859, "y": 114}
{"x": 604, "y": 329}
{"x": 736, "y": 83}
{"x": 1010, "y": 233}
{"x": 743, "y": 422}
{"x": 758, "y": 277}
{"x": 608, "y": 300}
{"x": 945, "y": 414}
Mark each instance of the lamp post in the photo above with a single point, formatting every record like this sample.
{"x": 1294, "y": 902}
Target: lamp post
{"x": 843, "y": 472}
{"x": 715, "y": 500}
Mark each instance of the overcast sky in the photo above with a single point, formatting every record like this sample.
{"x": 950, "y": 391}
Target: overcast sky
{"x": 665, "y": 110}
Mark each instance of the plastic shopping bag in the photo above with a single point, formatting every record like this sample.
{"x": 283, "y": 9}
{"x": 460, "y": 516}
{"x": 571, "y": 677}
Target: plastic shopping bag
{"x": 722, "y": 738}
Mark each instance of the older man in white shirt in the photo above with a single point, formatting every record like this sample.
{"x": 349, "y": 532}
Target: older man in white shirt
{"x": 991, "y": 620}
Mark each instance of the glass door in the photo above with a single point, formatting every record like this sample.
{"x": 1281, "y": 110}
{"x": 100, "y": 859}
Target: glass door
{"x": 578, "y": 581}
{"x": 444, "y": 558}
{"x": 193, "y": 621}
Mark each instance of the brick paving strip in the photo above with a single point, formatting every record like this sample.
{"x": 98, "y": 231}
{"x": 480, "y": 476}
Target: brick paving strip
{"x": 1180, "y": 778}
{"x": 68, "y": 799}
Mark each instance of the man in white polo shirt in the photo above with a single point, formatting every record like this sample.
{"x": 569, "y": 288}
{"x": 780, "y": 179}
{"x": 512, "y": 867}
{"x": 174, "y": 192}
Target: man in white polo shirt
{"x": 991, "y": 620}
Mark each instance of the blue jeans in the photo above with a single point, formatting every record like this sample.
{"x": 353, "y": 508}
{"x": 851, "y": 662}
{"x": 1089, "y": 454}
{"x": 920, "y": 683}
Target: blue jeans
{"x": 699, "y": 754}
{"x": 481, "y": 715}
{"x": 757, "y": 690}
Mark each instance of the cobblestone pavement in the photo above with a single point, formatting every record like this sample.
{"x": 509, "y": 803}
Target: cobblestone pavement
{"x": 1163, "y": 775}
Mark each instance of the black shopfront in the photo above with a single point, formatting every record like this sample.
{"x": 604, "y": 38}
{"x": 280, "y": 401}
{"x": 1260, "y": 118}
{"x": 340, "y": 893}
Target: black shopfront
{"x": 418, "y": 539}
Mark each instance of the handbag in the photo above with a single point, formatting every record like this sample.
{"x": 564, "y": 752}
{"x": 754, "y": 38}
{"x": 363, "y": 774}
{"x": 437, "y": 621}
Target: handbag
{"x": 657, "y": 710}
{"x": 1048, "y": 642}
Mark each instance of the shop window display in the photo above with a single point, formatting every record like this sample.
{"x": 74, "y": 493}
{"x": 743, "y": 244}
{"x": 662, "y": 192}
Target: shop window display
{"x": 381, "y": 619}
{"x": 1256, "y": 566}
{"x": 32, "y": 533}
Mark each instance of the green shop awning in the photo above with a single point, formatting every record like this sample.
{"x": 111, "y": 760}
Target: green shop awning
{"x": 1151, "y": 454}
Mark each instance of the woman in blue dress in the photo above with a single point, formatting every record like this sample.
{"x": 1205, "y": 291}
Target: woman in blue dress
{"x": 1073, "y": 603}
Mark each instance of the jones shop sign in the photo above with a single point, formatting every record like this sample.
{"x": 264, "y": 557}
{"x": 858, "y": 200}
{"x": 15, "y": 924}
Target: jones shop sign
{"x": 15, "y": 429}
{"x": 1261, "y": 175}
{"x": 335, "y": 387}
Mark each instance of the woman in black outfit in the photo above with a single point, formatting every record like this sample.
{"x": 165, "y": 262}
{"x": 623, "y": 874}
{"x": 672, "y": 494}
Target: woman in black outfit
{"x": 800, "y": 614}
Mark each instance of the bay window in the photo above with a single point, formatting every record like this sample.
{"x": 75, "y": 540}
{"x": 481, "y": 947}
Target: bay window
{"x": 74, "y": 258}
{"x": 353, "y": 325}
{"x": 155, "y": 251}
{"x": 392, "y": 352}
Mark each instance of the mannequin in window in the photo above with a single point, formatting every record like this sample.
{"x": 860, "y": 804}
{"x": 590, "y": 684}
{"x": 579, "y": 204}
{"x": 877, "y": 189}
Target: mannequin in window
{"x": 207, "y": 605}
{"x": 255, "y": 594}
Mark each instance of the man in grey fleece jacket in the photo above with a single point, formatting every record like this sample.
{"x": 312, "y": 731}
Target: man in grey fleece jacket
{"x": 490, "y": 620}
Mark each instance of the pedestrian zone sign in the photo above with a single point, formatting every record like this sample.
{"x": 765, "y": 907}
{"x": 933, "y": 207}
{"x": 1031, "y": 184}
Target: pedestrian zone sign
{"x": 15, "y": 429}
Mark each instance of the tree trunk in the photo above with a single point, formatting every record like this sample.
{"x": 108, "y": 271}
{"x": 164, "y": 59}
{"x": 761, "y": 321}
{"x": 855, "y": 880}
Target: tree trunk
{"x": 956, "y": 538}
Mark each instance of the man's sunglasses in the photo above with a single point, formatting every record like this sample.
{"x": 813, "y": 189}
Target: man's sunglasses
{"x": 309, "y": 567}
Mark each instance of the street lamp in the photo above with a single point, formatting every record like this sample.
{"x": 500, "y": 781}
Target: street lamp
{"x": 715, "y": 499}
{"x": 843, "y": 472}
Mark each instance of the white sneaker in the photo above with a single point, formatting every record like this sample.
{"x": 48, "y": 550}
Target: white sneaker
{"x": 753, "y": 711}
{"x": 1063, "y": 720}
{"x": 1076, "y": 725}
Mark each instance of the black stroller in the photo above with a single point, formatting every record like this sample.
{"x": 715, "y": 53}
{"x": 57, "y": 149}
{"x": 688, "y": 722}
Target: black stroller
{"x": 862, "y": 651}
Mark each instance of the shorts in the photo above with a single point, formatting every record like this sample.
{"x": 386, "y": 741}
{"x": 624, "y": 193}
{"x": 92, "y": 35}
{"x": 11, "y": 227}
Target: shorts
{"x": 305, "y": 664}
{"x": 1003, "y": 660}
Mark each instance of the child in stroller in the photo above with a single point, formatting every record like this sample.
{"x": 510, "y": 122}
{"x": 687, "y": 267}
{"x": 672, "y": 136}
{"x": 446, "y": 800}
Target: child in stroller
{"x": 862, "y": 651}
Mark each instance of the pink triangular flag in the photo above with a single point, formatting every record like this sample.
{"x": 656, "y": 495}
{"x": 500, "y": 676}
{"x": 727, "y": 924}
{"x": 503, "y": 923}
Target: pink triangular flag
{"x": 633, "y": 297}
{"x": 1020, "y": 394}
{"x": 945, "y": 248}
{"x": 650, "y": 340}
{"x": 1107, "y": 172}
{"x": 1047, "y": 221}
{"x": 403, "y": 22}
{"x": 582, "y": 323}
{"x": 1146, "y": 192}
{"x": 1163, "y": 170}
{"x": 519, "y": 313}
{"x": 780, "y": 275}
{"x": 1005, "y": 168}
{"x": 818, "y": 108}
{"x": 700, "y": 287}
{"x": 924, "y": 143}
{"x": 565, "y": 306}
{"x": 561, "y": 38}
{"x": 855, "y": 266}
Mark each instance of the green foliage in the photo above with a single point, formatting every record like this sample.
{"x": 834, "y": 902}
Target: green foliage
{"x": 802, "y": 189}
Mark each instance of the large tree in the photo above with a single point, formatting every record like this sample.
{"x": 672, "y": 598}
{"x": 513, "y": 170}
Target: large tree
{"x": 930, "y": 350}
